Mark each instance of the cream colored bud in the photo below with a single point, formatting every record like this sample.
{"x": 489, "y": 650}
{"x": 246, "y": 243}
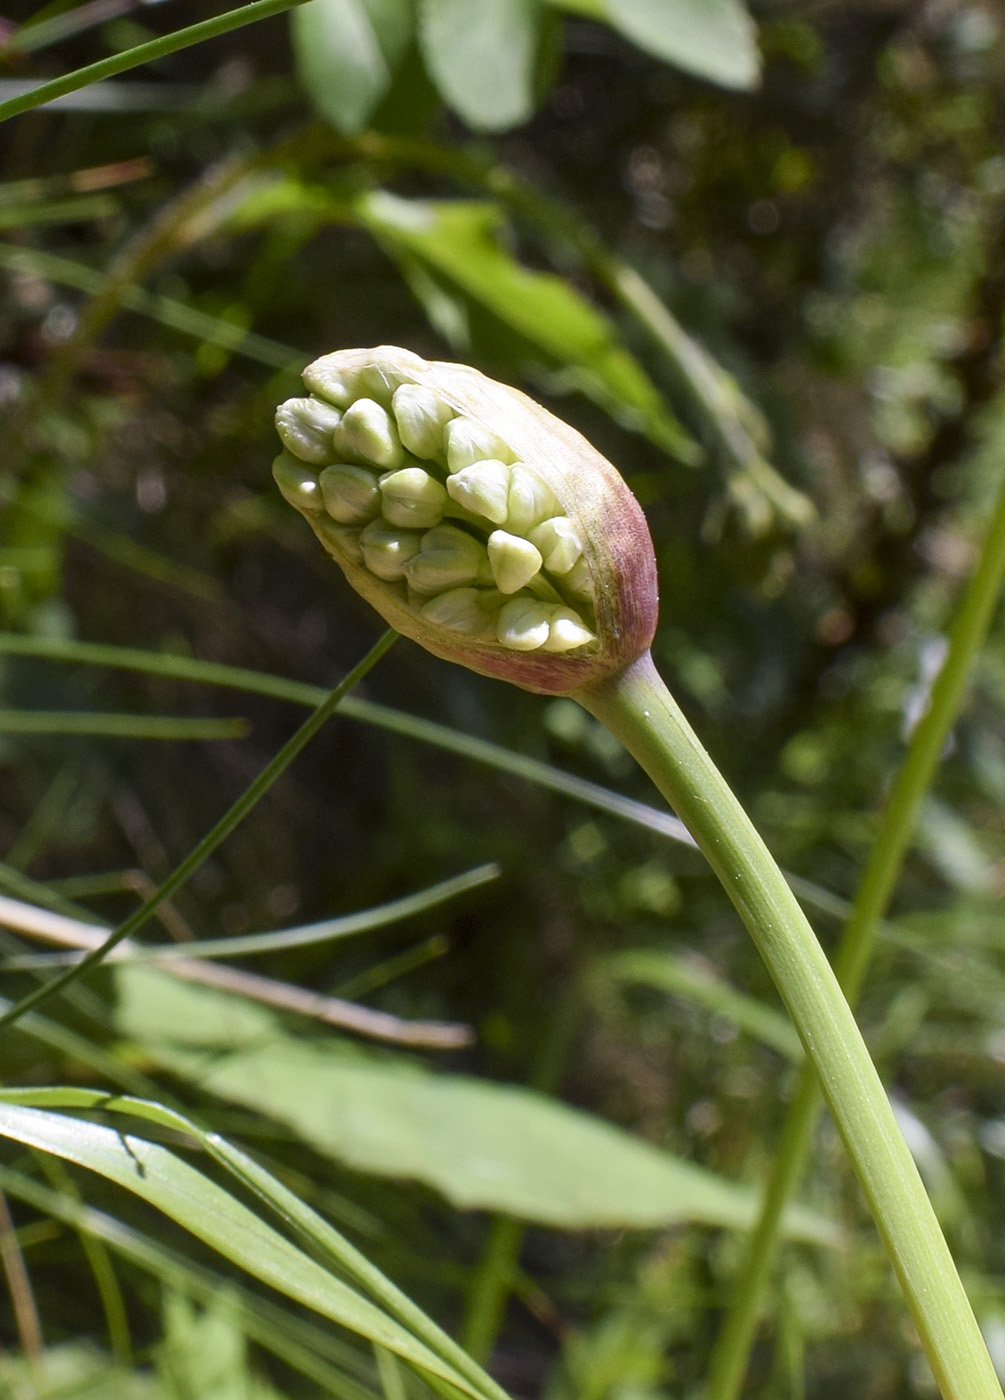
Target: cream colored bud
{"x": 421, "y": 417}
{"x": 483, "y": 489}
{"x": 559, "y": 543}
{"x": 413, "y": 498}
{"x": 530, "y": 501}
{"x": 306, "y": 427}
{"x": 388, "y": 550}
{"x": 468, "y": 442}
{"x": 368, "y": 433}
{"x": 448, "y": 558}
{"x": 298, "y": 484}
{"x": 524, "y": 624}
{"x": 566, "y": 631}
{"x": 514, "y": 561}
{"x": 351, "y": 495}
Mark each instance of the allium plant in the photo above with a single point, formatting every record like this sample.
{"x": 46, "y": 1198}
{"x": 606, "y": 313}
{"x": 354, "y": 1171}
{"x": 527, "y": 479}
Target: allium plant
{"x": 492, "y": 533}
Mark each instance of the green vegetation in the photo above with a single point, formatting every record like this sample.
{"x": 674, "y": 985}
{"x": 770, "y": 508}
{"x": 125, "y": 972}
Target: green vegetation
{"x": 561, "y": 1116}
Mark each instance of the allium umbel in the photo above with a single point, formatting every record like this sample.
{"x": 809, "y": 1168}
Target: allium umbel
{"x": 472, "y": 519}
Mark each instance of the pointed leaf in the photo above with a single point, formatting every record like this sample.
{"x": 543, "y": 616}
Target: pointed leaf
{"x": 714, "y": 39}
{"x": 218, "y": 1219}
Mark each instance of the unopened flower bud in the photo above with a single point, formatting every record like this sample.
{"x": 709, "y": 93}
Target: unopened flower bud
{"x": 306, "y": 427}
{"x": 351, "y": 494}
{"x": 412, "y": 497}
{"x": 506, "y": 542}
{"x": 483, "y": 488}
{"x": 530, "y": 500}
{"x": 388, "y": 550}
{"x": 368, "y": 433}
{"x": 514, "y": 561}
{"x": 447, "y": 558}
{"x": 468, "y": 441}
{"x": 421, "y": 417}
{"x": 558, "y": 541}
{"x": 298, "y": 484}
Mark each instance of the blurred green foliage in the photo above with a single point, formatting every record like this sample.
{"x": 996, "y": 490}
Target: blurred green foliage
{"x": 778, "y": 310}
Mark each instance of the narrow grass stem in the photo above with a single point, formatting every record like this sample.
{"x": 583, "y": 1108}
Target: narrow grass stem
{"x": 143, "y": 53}
{"x": 731, "y": 1354}
{"x": 211, "y": 840}
{"x": 639, "y": 710}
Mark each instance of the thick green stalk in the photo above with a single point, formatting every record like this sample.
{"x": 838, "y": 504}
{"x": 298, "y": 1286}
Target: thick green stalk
{"x": 732, "y": 1351}
{"x": 639, "y": 710}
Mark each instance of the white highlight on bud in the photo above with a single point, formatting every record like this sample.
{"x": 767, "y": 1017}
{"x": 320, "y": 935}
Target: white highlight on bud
{"x": 297, "y": 483}
{"x": 559, "y": 543}
{"x": 350, "y": 494}
{"x": 448, "y": 558}
{"x": 306, "y": 427}
{"x": 387, "y": 550}
{"x": 367, "y": 432}
{"x": 458, "y": 611}
{"x": 412, "y": 497}
{"x": 530, "y": 500}
{"x": 483, "y": 488}
{"x": 567, "y": 631}
{"x": 467, "y": 442}
{"x": 421, "y": 417}
{"x": 514, "y": 561}
{"x": 524, "y": 624}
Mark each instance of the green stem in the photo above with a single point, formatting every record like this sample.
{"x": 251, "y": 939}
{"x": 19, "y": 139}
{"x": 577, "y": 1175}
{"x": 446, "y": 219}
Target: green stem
{"x": 639, "y": 710}
{"x": 732, "y": 1351}
{"x": 143, "y": 53}
{"x": 205, "y": 848}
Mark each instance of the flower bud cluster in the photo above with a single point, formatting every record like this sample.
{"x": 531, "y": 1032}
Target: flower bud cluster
{"x": 431, "y": 486}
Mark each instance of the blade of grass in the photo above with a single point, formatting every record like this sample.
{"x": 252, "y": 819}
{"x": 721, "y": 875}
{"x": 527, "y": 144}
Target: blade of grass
{"x": 119, "y": 726}
{"x": 209, "y": 843}
{"x": 915, "y": 776}
{"x": 145, "y": 53}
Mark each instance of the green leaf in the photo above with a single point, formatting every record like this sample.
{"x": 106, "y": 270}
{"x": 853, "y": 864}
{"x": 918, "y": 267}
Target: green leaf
{"x": 459, "y": 241}
{"x": 714, "y": 39}
{"x": 346, "y": 52}
{"x": 482, "y": 55}
{"x": 217, "y": 1218}
{"x": 481, "y": 1145}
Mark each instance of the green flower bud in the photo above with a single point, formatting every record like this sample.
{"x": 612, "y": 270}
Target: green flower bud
{"x": 351, "y": 494}
{"x": 514, "y": 561}
{"x": 421, "y": 417}
{"x": 298, "y": 484}
{"x": 387, "y": 550}
{"x": 458, "y": 610}
{"x": 412, "y": 497}
{"x": 558, "y": 542}
{"x": 306, "y": 427}
{"x": 548, "y": 577}
{"x": 447, "y": 558}
{"x": 530, "y": 501}
{"x": 368, "y": 433}
{"x": 341, "y": 540}
{"x": 468, "y": 441}
{"x": 483, "y": 489}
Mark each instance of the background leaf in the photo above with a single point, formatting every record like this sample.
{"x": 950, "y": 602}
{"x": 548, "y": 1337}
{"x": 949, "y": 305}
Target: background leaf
{"x": 483, "y": 57}
{"x": 714, "y": 39}
{"x": 346, "y": 53}
{"x": 482, "y": 1145}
